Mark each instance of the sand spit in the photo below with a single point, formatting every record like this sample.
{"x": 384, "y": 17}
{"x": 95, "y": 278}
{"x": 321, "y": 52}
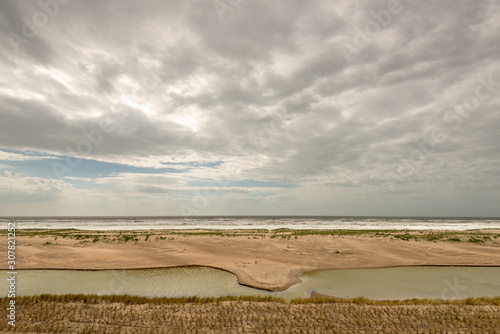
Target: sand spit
{"x": 262, "y": 259}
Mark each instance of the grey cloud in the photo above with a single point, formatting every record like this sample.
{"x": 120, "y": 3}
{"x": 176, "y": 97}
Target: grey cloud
{"x": 151, "y": 190}
{"x": 177, "y": 82}
{"x": 14, "y": 15}
{"x": 105, "y": 75}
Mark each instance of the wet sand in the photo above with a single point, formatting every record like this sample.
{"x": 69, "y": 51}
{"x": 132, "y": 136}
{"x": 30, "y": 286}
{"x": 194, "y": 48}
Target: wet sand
{"x": 254, "y": 257}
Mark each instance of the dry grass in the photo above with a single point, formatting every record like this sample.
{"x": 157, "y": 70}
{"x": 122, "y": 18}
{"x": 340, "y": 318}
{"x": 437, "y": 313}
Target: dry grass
{"x": 471, "y": 236}
{"x": 121, "y": 314}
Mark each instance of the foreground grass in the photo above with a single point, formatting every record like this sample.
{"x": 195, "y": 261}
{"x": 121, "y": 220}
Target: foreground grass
{"x": 126, "y": 314}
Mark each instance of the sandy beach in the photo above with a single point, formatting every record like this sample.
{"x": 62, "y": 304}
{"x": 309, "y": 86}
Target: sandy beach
{"x": 265, "y": 260}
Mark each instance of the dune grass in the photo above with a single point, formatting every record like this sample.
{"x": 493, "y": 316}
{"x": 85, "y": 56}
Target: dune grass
{"x": 472, "y": 236}
{"x": 127, "y": 299}
{"x": 126, "y": 314}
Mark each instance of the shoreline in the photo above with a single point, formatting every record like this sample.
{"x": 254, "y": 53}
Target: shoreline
{"x": 271, "y": 261}
{"x": 239, "y": 229}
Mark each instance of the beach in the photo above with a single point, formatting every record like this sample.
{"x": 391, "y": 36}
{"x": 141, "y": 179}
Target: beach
{"x": 265, "y": 259}
{"x": 270, "y": 260}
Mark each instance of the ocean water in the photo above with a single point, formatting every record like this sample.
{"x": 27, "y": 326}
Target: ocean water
{"x": 253, "y": 222}
{"x": 384, "y": 283}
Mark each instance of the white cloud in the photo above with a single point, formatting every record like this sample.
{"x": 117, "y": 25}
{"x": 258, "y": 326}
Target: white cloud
{"x": 16, "y": 188}
{"x": 10, "y": 156}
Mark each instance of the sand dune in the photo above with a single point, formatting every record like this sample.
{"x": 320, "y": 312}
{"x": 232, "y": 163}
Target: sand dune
{"x": 67, "y": 314}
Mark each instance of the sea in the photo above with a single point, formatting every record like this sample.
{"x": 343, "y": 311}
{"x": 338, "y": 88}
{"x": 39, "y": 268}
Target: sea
{"x": 254, "y": 222}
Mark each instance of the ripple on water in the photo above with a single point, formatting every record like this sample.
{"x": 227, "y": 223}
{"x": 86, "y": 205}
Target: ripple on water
{"x": 386, "y": 283}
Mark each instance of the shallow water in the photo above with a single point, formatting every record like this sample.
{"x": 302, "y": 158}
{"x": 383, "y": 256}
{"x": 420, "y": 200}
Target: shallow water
{"x": 406, "y": 282}
{"x": 386, "y": 283}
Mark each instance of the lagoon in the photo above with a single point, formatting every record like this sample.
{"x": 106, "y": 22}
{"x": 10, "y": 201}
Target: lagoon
{"x": 378, "y": 284}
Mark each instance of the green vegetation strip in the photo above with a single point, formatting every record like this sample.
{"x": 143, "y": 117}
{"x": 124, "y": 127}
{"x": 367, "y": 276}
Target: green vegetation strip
{"x": 471, "y": 236}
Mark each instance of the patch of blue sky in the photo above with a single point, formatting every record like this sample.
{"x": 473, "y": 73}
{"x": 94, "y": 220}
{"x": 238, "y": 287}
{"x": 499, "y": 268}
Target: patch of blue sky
{"x": 86, "y": 168}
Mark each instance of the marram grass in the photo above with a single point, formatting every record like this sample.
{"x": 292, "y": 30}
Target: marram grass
{"x": 127, "y": 299}
{"x": 128, "y": 314}
{"x": 470, "y": 236}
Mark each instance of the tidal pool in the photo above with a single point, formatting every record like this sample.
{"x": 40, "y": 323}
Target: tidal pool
{"x": 384, "y": 283}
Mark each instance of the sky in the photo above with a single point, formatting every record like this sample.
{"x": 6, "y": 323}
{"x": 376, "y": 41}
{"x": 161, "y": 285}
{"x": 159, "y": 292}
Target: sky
{"x": 250, "y": 107}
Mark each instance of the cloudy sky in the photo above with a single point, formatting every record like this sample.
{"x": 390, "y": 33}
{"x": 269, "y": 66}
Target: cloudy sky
{"x": 238, "y": 107}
